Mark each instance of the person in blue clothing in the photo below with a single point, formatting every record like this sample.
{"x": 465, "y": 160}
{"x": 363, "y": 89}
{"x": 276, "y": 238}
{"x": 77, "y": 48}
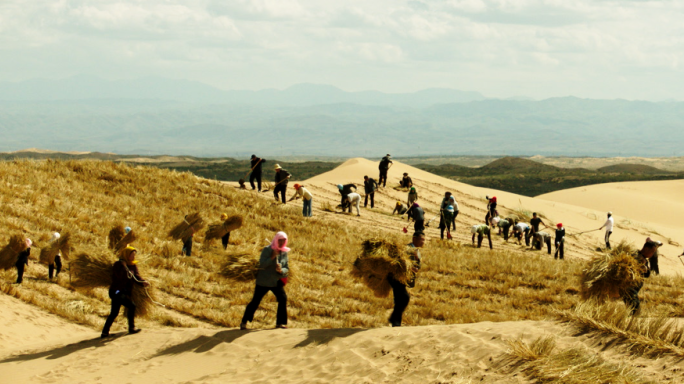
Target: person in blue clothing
{"x": 272, "y": 276}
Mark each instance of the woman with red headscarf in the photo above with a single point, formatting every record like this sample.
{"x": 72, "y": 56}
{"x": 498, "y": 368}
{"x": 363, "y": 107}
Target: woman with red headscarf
{"x": 272, "y": 276}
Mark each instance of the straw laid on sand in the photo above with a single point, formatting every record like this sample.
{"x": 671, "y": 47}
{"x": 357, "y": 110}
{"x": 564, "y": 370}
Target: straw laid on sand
{"x": 9, "y": 254}
{"x": 125, "y": 241}
{"x": 184, "y": 230}
{"x": 380, "y": 258}
{"x": 217, "y": 231}
{"x": 610, "y": 275}
{"x": 48, "y": 254}
{"x": 115, "y": 235}
{"x": 242, "y": 265}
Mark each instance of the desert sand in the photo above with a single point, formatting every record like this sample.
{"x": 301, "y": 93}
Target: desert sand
{"x": 38, "y": 347}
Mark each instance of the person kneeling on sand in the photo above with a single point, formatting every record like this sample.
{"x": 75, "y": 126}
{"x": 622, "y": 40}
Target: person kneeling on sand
{"x": 631, "y": 297}
{"x": 541, "y": 238}
{"x": 401, "y": 295}
{"x": 399, "y": 208}
{"x": 481, "y": 230}
{"x": 124, "y": 275}
{"x": 272, "y": 276}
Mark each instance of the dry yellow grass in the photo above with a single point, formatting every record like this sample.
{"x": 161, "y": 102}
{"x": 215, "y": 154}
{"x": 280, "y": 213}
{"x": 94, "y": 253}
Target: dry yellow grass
{"x": 457, "y": 284}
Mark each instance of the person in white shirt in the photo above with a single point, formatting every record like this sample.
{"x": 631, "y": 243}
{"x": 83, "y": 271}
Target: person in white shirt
{"x": 609, "y": 228}
{"x": 307, "y": 199}
{"x": 355, "y": 200}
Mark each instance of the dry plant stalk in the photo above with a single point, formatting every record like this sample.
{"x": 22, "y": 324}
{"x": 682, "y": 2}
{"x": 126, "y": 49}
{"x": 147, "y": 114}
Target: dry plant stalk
{"x": 241, "y": 265}
{"x": 48, "y": 254}
{"x": 125, "y": 241}
{"x": 142, "y": 300}
{"x": 379, "y": 259}
{"x": 9, "y": 254}
{"x": 115, "y": 235}
{"x": 184, "y": 229}
{"x": 92, "y": 271}
{"x": 609, "y": 276}
{"x": 217, "y": 231}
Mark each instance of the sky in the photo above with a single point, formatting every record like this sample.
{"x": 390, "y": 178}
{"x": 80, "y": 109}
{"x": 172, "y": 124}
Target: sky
{"x": 502, "y": 48}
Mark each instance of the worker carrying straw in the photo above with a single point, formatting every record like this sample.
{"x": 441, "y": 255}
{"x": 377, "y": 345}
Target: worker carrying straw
{"x": 124, "y": 275}
{"x": 272, "y": 276}
{"x": 631, "y": 296}
{"x": 22, "y": 260}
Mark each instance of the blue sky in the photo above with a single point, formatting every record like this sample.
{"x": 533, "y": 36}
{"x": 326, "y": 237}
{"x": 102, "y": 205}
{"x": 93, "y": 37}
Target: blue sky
{"x": 595, "y": 49}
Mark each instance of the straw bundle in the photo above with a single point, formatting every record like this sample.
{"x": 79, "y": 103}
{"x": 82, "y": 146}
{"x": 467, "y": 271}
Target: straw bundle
{"x": 611, "y": 276}
{"x": 92, "y": 271}
{"x": 123, "y": 243}
{"x": 241, "y": 266}
{"x": 379, "y": 259}
{"x": 48, "y": 254}
{"x": 140, "y": 296}
{"x": 184, "y": 230}
{"x": 9, "y": 254}
{"x": 115, "y": 235}
{"x": 217, "y": 231}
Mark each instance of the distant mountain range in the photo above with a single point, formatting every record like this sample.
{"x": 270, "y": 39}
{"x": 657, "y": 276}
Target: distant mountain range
{"x": 162, "y": 116}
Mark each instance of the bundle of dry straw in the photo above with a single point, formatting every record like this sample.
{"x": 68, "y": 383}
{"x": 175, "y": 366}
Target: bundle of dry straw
{"x": 9, "y": 254}
{"x": 184, "y": 230}
{"x": 379, "y": 259}
{"x": 610, "y": 276}
{"x": 115, "y": 235}
{"x": 241, "y": 265}
{"x": 217, "y": 231}
{"x": 124, "y": 242}
{"x": 48, "y": 254}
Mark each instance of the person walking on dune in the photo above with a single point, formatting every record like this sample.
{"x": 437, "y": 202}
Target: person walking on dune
{"x": 272, "y": 276}
{"x": 401, "y": 295}
{"x": 307, "y": 199}
{"x": 255, "y": 174}
{"x": 56, "y": 265}
{"x": 384, "y": 166}
{"x": 124, "y": 275}
{"x": 481, "y": 230}
{"x": 369, "y": 187}
{"x": 354, "y": 199}
{"x": 609, "y": 228}
{"x": 281, "y": 178}
{"x": 560, "y": 241}
{"x": 417, "y": 214}
{"x": 22, "y": 260}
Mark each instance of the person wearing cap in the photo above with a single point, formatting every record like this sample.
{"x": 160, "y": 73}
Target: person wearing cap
{"x": 226, "y": 238}
{"x": 399, "y": 292}
{"x": 255, "y": 174}
{"x": 609, "y": 228}
{"x": 416, "y": 213}
{"x": 560, "y": 241}
{"x": 124, "y": 275}
{"x": 369, "y": 187}
{"x": 481, "y": 230}
{"x": 281, "y": 178}
{"x": 406, "y": 181}
{"x": 126, "y": 230}
{"x": 384, "y": 166}
{"x": 22, "y": 260}
{"x": 345, "y": 190}
{"x": 412, "y": 196}
{"x": 272, "y": 276}
{"x": 399, "y": 208}
{"x": 56, "y": 265}
{"x": 541, "y": 238}
{"x": 505, "y": 226}
{"x": 521, "y": 229}
{"x": 354, "y": 199}
{"x": 307, "y": 199}
{"x": 643, "y": 256}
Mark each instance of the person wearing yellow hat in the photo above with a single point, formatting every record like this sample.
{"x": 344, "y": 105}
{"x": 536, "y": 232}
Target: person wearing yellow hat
{"x": 307, "y": 199}
{"x": 400, "y": 208}
{"x": 226, "y": 238}
{"x": 124, "y": 275}
{"x": 281, "y": 178}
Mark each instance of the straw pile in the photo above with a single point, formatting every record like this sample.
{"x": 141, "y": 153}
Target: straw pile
{"x": 380, "y": 258}
{"x": 48, "y": 254}
{"x": 184, "y": 230}
{"x": 143, "y": 303}
{"x": 124, "y": 242}
{"x": 9, "y": 254}
{"x": 217, "y": 231}
{"x": 609, "y": 276}
{"x": 92, "y": 271}
{"x": 115, "y": 235}
{"x": 240, "y": 266}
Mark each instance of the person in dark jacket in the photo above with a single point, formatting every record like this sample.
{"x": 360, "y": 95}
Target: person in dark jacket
{"x": 653, "y": 260}
{"x": 384, "y": 166}
{"x": 345, "y": 190}
{"x": 255, "y": 174}
{"x": 124, "y": 275}
{"x": 406, "y": 181}
{"x": 401, "y": 295}
{"x": 631, "y": 296}
{"x": 226, "y": 238}
{"x": 281, "y": 178}
{"x": 272, "y": 276}
{"x": 417, "y": 214}
{"x": 491, "y": 205}
{"x": 560, "y": 241}
{"x": 56, "y": 266}
{"x": 22, "y": 260}
{"x": 187, "y": 243}
{"x": 534, "y": 223}
{"x": 369, "y": 188}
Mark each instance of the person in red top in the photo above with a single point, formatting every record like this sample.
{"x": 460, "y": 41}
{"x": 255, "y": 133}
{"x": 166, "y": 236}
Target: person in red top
{"x": 124, "y": 275}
